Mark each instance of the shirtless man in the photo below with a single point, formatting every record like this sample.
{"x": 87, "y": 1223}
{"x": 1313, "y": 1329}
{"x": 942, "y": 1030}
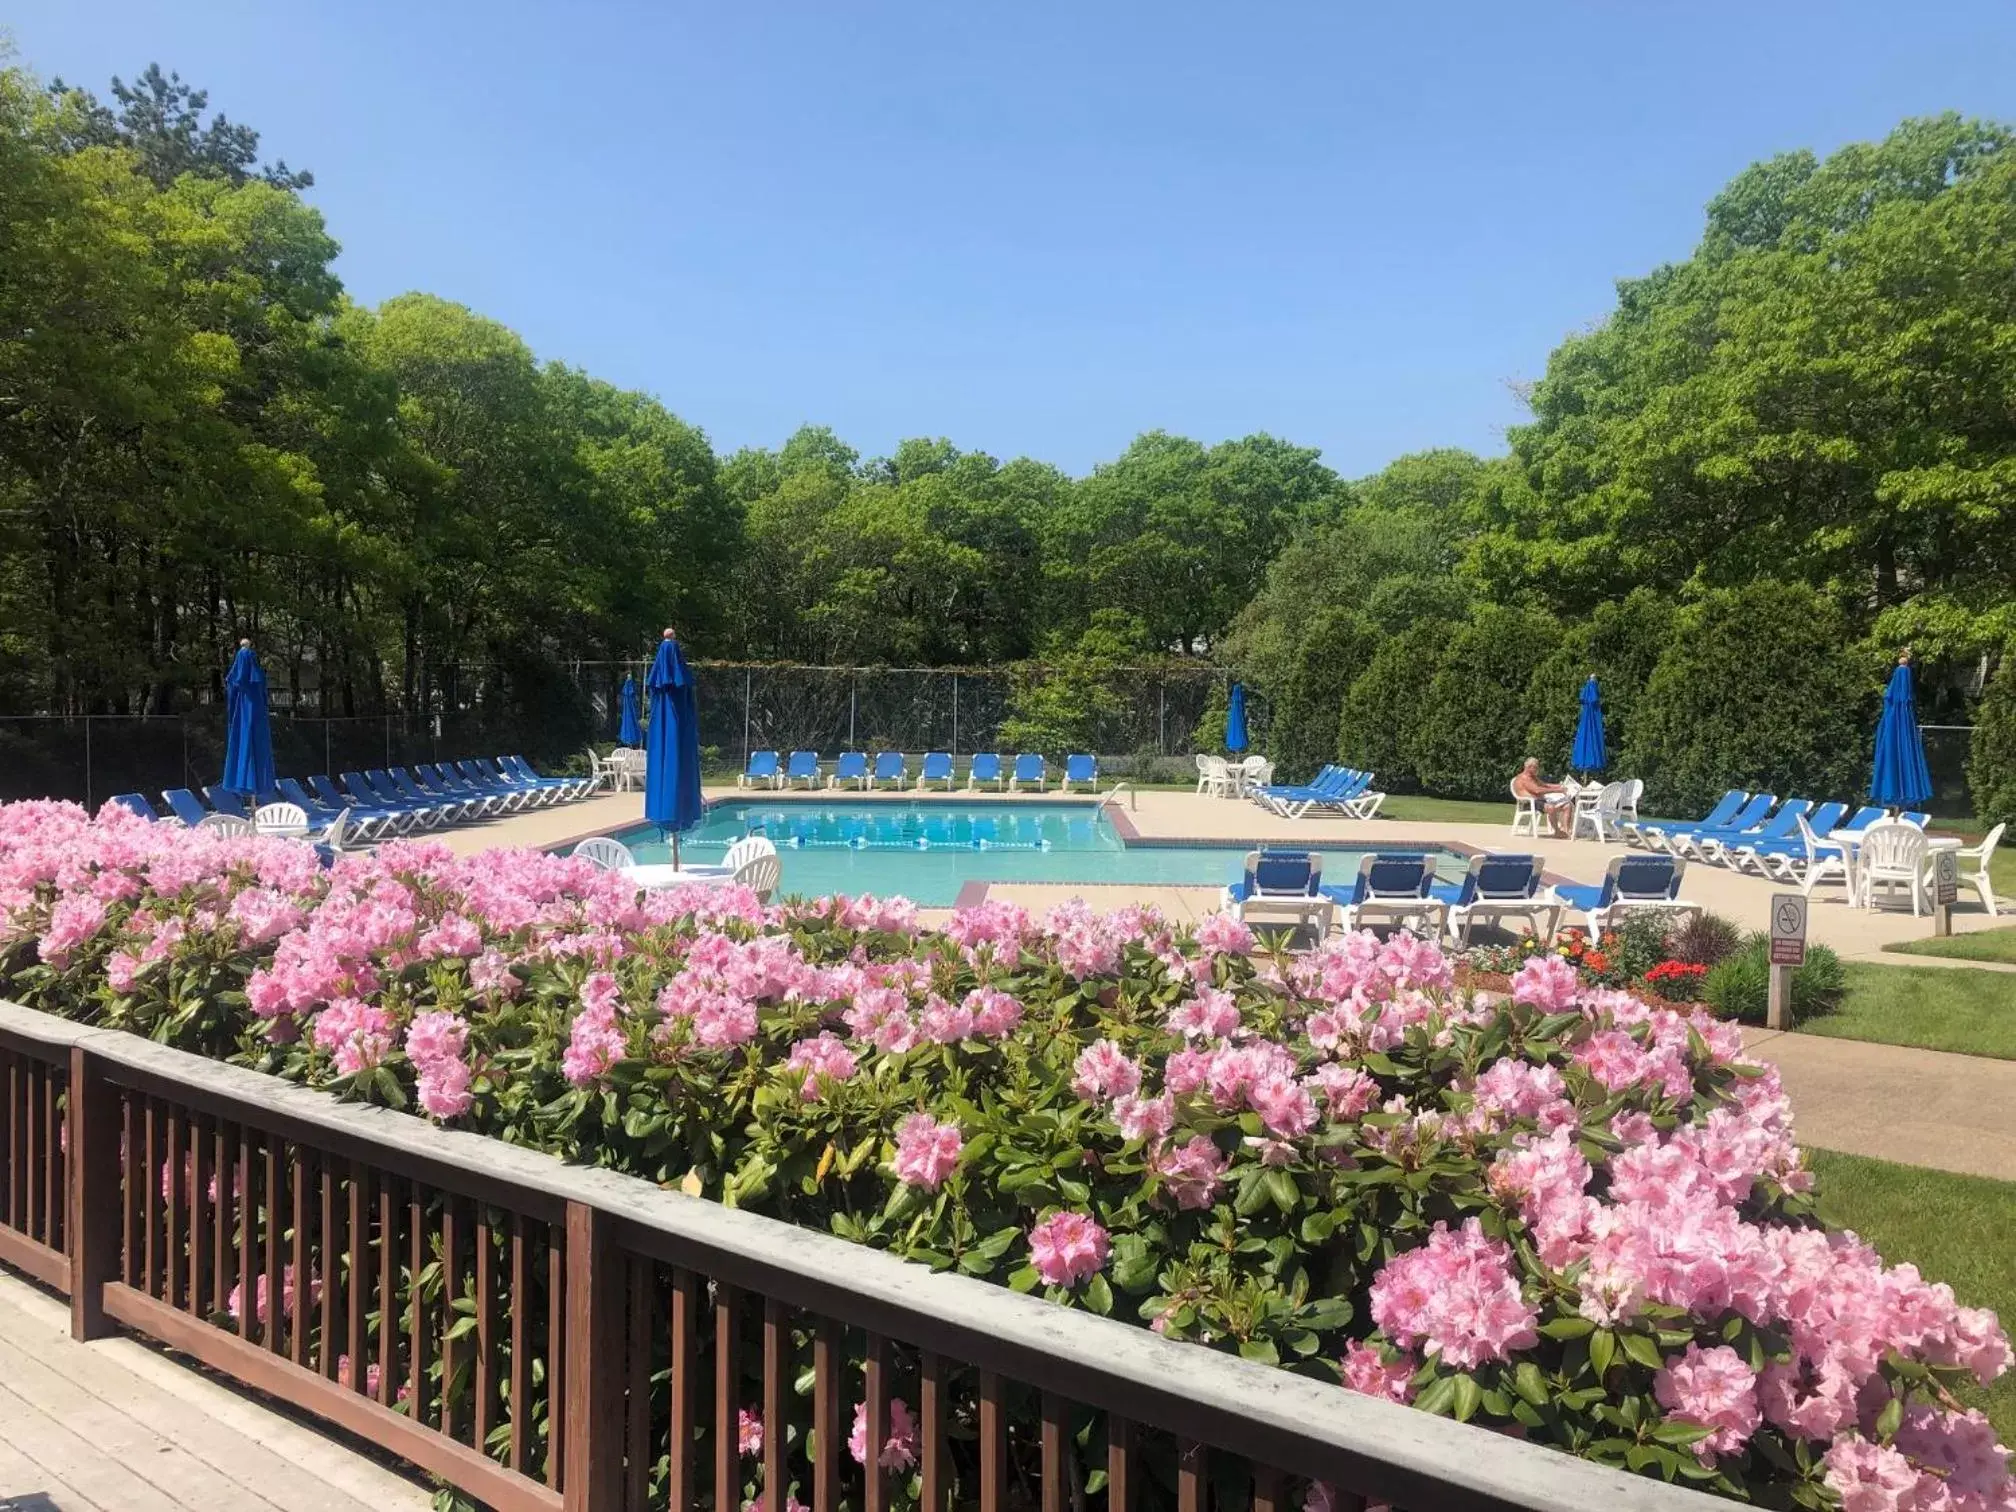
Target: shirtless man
{"x": 1553, "y": 797}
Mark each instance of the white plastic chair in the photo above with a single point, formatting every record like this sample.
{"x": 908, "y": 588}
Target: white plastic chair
{"x": 285, "y": 818}
{"x": 1599, "y": 810}
{"x": 227, "y": 824}
{"x": 1981, "y": 854}
{"x": 1254, "y": 772}
{"x": 1892, "y": 851}
{"x": 605, "y": 854}
{"x": 1214, "y": 777}
{"x": 756, "y": 865}
{"x": 1627, "y": 810}
{"x": 1526, "y": 813}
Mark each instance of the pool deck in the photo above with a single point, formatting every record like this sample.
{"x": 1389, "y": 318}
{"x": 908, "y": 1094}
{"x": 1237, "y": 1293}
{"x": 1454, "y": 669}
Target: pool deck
{"x": 1169, "y": 817}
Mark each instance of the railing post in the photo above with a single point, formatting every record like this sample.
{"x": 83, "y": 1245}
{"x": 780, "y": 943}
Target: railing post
{"x": 592, "y": 1462}
{"x": 97, "y": 1213}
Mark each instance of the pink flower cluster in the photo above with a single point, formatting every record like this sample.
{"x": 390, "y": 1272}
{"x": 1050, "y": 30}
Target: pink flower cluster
{"x": 434, "y": 1044}
{"x": 899, "y": 1450}
{"x": 1067, "y": 1248}
{"x": 927, "y": 1151}
{"x": 1457, "y": 1297}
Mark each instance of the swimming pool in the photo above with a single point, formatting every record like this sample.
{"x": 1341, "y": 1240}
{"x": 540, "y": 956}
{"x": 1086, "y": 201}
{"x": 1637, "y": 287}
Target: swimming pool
{"x": 927, "y": 851}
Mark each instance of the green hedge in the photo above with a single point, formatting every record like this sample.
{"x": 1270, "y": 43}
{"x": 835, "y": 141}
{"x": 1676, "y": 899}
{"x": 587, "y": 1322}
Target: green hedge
{"x": 1474, "y": 737}
{"x": 1991, "y": 763}
{"x": 1338, "y": 647}
{"x": 1387, "y": 706}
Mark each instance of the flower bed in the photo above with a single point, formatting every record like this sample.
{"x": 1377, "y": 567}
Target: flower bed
{"x": 1569, "y": 1215}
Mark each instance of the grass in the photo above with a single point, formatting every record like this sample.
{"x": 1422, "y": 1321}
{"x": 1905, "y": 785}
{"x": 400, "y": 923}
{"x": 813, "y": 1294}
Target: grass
{"x": 1931, "y": 1008}
{"x": 1953, "y": 1228}
{"x": 1985, "y": 945}
{"x": 1447, "y": 810}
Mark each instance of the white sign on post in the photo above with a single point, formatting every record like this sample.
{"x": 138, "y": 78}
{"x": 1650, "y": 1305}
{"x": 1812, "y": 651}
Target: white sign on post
{"x": 1788, "y": 929}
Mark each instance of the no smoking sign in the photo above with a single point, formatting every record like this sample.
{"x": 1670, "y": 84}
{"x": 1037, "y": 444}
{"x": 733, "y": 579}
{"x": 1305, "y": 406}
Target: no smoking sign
{"x": 1788, "y": 929}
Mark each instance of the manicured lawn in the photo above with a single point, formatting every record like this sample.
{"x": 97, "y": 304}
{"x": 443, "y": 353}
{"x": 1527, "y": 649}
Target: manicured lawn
{"x": 1447, "y": 810}
{"x": 1955, "y": 1229}
{"x": 1987, "y": 945}
{"x": 1931, "y": 1007}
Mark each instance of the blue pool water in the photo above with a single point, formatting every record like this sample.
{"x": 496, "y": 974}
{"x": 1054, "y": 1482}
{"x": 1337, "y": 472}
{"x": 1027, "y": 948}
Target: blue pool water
{"x": 927, "y": 851}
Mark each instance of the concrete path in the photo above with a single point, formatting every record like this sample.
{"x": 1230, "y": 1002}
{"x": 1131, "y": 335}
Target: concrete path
{"x": 1916, "y": 1107}
{"x": 116, "y": 1426}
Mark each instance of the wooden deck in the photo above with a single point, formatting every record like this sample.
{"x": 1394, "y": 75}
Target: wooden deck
{"x": 117, "y": 1426}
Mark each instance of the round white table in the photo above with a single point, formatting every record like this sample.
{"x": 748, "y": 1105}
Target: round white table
{"x": 660, "y": 875}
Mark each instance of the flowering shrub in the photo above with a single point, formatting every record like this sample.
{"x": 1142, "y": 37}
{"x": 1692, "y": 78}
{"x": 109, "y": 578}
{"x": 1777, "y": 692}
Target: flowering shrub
{"x": 1677, "y": 981}
{"x": 1567, "y": 1215}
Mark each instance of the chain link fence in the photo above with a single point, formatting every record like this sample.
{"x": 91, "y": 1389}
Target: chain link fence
{"x": 1145, "y": 728}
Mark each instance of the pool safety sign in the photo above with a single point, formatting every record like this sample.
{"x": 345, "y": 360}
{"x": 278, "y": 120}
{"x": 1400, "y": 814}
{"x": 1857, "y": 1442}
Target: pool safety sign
{"x": 1788, "y": 929}
{"x": 1945, "y": 878}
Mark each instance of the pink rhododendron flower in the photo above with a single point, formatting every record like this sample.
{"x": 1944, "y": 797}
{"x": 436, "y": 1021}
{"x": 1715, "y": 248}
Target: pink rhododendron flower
{"x": 749, "y": 1433}
{"x": 1192, "y": 1173}
{"x": 1369, "y": 1371}
{"x": 1147, "y": 1118}
{"x": 1457, "y": 1296}
{"x": 1547, "y": 983}
{"x": 825, "y": 1061}
{"x": 443, "y": 1089}
{"x": 1104, "y": 1072}
{"x": 1067, "y": 1248}
{"x": 1221, "y": 934}
{"x": 1711, "y": 1388}
{"x": 899, "y": 1450}
{"x": 927, "y": 1151}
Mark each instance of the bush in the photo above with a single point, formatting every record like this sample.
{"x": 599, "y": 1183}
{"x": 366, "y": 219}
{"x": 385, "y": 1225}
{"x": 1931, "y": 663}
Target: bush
{"x": 1759, "y": 688}
{"x": 1704, "y": 939}
{"x": 1991, "y": 759}
{"x": 1387, "y": 706}
{"x": 1560, "y": 1215}
{"x": 1330, "y": 658}
{"x": 1474, "y": 737}
{"x": 1739, "y": 987}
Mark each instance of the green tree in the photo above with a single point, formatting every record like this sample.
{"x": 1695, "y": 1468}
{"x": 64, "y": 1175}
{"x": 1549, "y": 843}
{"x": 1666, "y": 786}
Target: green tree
{"x": 160, "y": 121}
{"x": 1758, "y": 688}
{"x": 1621, "y": 642}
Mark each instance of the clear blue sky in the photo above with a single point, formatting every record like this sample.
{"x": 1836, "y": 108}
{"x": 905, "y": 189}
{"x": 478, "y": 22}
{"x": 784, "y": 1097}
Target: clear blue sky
{"x": 1040, "y": 228}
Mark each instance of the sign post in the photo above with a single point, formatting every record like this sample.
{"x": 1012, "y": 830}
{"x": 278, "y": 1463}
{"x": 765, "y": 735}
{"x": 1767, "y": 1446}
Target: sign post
{"x": 1945, "y": 889}
{"x": 1788, "y": 953}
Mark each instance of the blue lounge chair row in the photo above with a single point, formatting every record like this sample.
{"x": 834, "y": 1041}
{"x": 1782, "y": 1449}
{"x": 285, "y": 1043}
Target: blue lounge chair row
{"x": 1796, "y": 841}
{"x": 1335, "y": 789}
{"x": 1400, "y": 887}
{"x": 892, "y": 769}
{"x": 384, "y": 801}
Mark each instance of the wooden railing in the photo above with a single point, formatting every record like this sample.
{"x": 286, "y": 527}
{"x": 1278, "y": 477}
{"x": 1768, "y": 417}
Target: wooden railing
{"x": 543, "y": 1336}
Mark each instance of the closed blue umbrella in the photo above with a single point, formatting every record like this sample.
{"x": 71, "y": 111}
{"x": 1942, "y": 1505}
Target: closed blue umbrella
{"x": 1900, "y": 778}
{"x": 631, "y": 733}
{"x": 672, "y": 745}
{"x": 1589, "y": 754}
{"x": 248, "y": 732}
{"x": 1235, "y": 719}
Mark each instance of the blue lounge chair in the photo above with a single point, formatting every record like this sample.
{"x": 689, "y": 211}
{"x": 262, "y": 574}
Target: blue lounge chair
{"x": 851, "y": 767}
{"x": 433, "y": 811}
{"x": 224, "y": 801}
{"x": 1029, "y": 767}
{"x": 569, "y": 788}
{"x": 937, "y": 768}
{"x": 1392, "y": 887}
{"x": 386, "y": 821}
{"x": 185, "y": 805}
{"x": 804, "y": 768}
{"x": 1652, "y": 833}
{"x": 135, "y": 802}
{"x": 458, "y": 808}
{"x": 890, "y": 767}
{"x": 445, "y": 782}
{"x": 1711, "y": 845}
{"x": 1632, "y": 882}
{"x": 1083, "y": 769}
{"x": 542, "y": 791}
{"x": 985, "y": 767}
{"x": 363, "y": 795}
{"x": 1497, "y": 887}
{"x": 1281, "y": 882}
{"x": 359, "y": 823}
{"x": 1335, "y": 790}
{"x": 762, "y": 771}
{"x": 485, "y": 781}
{"x": 1757, "y": 855}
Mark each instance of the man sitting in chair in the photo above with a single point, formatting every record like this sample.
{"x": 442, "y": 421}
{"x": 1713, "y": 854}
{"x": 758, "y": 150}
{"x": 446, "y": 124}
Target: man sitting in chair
{"x": 1553, "y": 798}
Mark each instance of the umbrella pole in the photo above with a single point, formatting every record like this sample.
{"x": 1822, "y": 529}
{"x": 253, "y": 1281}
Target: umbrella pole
{"x": 675, "y": 850}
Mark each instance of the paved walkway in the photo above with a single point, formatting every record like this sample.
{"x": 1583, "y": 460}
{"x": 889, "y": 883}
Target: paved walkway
{"x": 116, "y": 1426}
